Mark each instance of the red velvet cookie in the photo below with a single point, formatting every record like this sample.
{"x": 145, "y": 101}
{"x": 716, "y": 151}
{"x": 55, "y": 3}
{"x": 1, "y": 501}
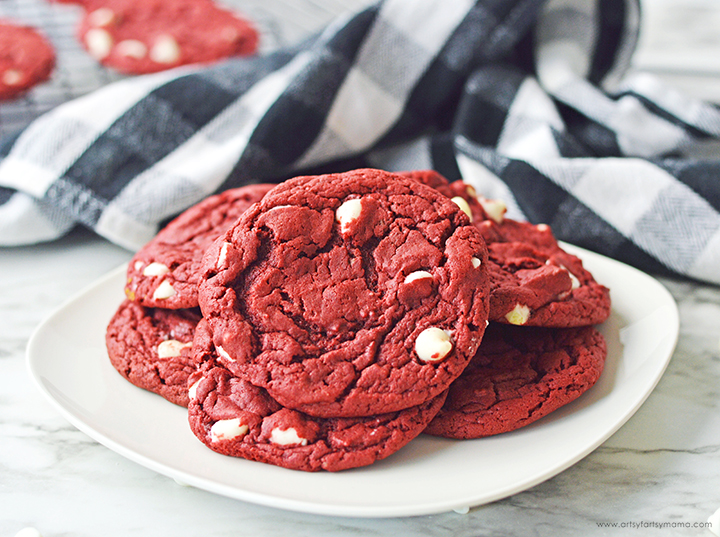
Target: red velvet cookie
{"x": 233, "y": 417}
{"x": 460, "y": 193}
{"x": 348, "y": 294}
{"x": 535, "y": 282}
{"x": 519, "y": 375}
{"x": 165, "y": 272}
{"x": 152, "y": 348}
{"x": 144, "y": 36}
{"x": 26, "y": 59}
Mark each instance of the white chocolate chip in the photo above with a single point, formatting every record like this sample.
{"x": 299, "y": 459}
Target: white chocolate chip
{"x": 476, "y": 262}
{"x": 433, "y": 344}
{"x": 99, "y": 43}
{"x": 347, "y": 213}
{"x": 12, "y": 77}
{"x": 519, "y": 315}
{"x": 575, "y": 283}
{"x": 471, "y": 191}
{"x": 223, "y": 353}
{"x": 138, "y": 265}
{"x": 228, "y": 429}
{"x": 574, "y": 280}
{"x": 460, "y": 202}
{"x": 495, "y": 209}
{"x": 171, "y": 348}
{"x": 417, "y": 275}
{"x": 165, "y": 50}
{"x": 542, "y": 227}
{"x": 101, "y": 17}
{"x": 163, "y": 291}
{"x": 192, "y": 391}
{"x": 222, "y": 257}
{"x": 229, "y": 33}
{"x": 131, "y": 48}
{"x": 286, "y": 437}
{"x": 156, "y": 269}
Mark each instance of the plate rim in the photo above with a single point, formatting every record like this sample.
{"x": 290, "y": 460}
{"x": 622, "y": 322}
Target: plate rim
{"x": 343, "y": 510}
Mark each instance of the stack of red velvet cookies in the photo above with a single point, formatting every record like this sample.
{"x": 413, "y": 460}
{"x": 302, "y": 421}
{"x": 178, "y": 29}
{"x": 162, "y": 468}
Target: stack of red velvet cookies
{"x": 325, "y": 322}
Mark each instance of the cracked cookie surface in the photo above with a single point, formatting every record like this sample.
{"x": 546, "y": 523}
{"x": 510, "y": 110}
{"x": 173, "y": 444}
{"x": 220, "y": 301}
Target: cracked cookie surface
{"x": 165, "y": 272}
{"x": 519, "y": 375}
{"x": 152, "y": 348}
{"x": 235, "y": 418}
{"x": 27, "y": 58}
{"x": 535, "y": 282}
{"x": 348, "y": 294}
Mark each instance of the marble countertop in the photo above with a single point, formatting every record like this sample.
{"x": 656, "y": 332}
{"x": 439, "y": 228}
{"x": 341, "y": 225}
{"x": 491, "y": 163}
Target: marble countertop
{"x": 661, "y": 467}
{"x": 657, "y": 475}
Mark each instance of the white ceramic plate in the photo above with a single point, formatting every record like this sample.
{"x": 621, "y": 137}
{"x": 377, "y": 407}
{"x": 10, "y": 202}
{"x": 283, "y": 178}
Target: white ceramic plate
{"x": 68, "y": 361}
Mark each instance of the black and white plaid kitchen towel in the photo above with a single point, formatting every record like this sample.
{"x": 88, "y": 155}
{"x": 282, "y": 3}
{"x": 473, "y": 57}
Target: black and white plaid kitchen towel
{"x": 527, "y": 100}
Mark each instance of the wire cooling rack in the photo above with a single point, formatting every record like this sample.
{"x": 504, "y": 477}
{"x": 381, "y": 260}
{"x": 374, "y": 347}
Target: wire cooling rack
{"x": 280, "y": 22}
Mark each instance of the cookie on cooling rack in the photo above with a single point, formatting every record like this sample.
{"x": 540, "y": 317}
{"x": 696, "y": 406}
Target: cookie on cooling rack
{"x": 145, "y": 36}
{"x": 27, "y": 58}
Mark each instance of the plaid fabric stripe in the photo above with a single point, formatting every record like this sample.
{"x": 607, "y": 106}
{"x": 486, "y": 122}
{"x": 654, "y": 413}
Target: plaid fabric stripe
{"x": 612, "y": 162}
